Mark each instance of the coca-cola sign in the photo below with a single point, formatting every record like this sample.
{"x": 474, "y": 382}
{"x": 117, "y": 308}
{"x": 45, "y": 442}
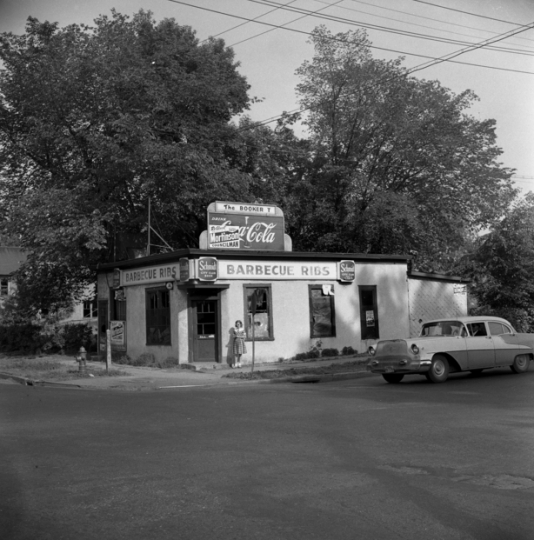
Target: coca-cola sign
{"x": 241, "y": 231}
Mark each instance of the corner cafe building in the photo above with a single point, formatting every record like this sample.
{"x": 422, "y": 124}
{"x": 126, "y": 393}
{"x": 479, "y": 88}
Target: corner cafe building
{"x": 184, "y": 304}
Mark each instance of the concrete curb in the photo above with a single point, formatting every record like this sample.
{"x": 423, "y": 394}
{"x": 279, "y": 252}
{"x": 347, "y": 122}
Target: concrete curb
{"x": 294, "y": 379}
{"x": 31, "y": 382}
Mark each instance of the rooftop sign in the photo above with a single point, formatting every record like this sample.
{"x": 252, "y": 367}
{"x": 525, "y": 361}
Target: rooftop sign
{"x": 245, "y": 226}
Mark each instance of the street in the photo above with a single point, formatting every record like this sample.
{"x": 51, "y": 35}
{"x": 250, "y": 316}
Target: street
{"x": 356, "y": 459}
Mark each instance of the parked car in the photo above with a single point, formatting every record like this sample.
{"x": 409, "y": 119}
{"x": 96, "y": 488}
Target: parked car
{"x": 453, "y": 345}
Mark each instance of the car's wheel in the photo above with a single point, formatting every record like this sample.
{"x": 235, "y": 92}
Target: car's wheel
{"x": 393, "y": 378}
{"x": 439, "y": 369}
{"x": 520, "y": 364}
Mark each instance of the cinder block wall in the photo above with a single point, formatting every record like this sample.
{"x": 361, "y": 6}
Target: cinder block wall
{"x": 434, "y": 299}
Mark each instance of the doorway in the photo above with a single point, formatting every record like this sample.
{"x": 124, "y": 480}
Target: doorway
{"x": 205, "y": 327}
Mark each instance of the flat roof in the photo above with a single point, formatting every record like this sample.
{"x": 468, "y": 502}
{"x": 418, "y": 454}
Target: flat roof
{"x": 162, "y": 258}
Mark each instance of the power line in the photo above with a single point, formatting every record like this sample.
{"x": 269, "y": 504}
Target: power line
{"x": 419, "y": 17}
{"x": 247, "y": 22}
{"x": 385, "y": 29}
{"x": 467, "y": 12}
{"x": 294, "y": 30}
{"x": 285, "y": 24}
{"x": 430, "y": 18}
{"x": 449, "y": 57}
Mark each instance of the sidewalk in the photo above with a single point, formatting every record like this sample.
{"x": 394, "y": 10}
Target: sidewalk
{"x": 202, "y": 374}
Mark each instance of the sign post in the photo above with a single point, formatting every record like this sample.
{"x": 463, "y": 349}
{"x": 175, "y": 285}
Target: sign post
{"x": 108, "y": 350}
{"x": 253, "y": 311}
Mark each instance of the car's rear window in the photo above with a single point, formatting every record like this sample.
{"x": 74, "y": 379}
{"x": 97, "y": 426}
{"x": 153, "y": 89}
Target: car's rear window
{"x": 498, "y": 329}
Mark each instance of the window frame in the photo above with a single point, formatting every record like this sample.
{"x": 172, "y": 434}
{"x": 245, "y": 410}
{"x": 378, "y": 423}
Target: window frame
{"x": 331, "y": 297}
{"x": 480, "y": 324}
{"x": 246, "y": 320}
{"x": 91, "y": 307}
{"x": 160, "y": 292}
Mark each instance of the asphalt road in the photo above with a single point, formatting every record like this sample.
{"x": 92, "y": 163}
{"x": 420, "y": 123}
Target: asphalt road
{"x": 357, "y": 459}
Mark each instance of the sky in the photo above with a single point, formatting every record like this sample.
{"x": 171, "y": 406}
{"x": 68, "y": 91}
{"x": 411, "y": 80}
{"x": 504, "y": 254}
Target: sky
{"x": 502, "y": 79}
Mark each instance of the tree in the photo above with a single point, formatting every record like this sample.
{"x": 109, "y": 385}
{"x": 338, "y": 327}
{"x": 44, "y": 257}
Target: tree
{"x": 397, "y": 164}
{"x": 94, "y": 122}
{"x": 501, "y": 265}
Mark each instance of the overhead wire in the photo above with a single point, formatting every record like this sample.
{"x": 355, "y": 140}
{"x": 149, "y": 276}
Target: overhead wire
{"x": 386, "y": 29}
{"x": 433, "y": 60}
{"x": 303, "y": 32}
{"x": 466, "y": 12}
{"x": 247, "y": 22}
{"x": 418, "y": 16}
{"x": 285, "y": 24}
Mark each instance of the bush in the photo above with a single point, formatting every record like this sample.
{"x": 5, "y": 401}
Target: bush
{"x": 22, "y": 338}
{"x": 31, "y": 338}
{"x": 145, "y": 360}
{"x": 169, "y": 362}
{"x": 330, "y": 352}
{"x": 347, "y": 351}
{"x": 313, "y": 353}
{"x": 78, "y": 335}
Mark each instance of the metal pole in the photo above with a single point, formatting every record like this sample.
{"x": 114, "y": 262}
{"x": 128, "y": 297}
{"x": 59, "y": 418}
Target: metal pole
{"x": 253, "y": 341}
{"x": 108, "y": 350}
{"x": 148, "y": 245}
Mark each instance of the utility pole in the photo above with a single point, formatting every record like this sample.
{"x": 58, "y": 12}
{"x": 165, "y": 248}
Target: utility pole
{"x": 148, "y": 245}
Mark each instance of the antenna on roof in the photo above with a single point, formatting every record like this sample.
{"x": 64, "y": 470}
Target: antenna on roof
{"x": 151, "y": 229}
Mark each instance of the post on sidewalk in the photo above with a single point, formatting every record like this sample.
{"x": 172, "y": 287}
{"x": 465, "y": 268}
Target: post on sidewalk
{"x": 108, "y": 350}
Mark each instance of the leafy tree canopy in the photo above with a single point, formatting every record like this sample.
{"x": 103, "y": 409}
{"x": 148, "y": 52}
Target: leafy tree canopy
{"x": 398, "y": 166}
{"x": 94, "y": 121}
{"x": 501, "y": 265}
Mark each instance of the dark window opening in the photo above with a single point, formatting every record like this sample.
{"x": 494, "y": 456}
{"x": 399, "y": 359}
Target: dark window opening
{"x": 322, "y": 311}
{"x": 158, "y": 317}
{"x": 369, "y": 312}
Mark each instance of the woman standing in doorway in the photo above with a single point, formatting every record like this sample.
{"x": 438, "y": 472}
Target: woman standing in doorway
{"x": 239, "y": 343}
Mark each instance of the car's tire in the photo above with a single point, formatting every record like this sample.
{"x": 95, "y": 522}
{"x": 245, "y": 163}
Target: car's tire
{"x": 393, "y": 378}
{"x": 520, "y": 364}
{"x": 439, "y": 369}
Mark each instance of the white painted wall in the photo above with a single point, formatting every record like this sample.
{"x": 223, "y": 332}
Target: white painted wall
{"x": 434, "y": 299}
{"x": 401, "y": 303}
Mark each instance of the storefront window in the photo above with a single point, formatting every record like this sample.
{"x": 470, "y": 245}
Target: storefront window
{"x": 258, "y": 312}
{"x": 3, "y": 286}
{"x": 158, "y": 317}
{"x": 369, "y": 312}
{"x": 322, "y": 311}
